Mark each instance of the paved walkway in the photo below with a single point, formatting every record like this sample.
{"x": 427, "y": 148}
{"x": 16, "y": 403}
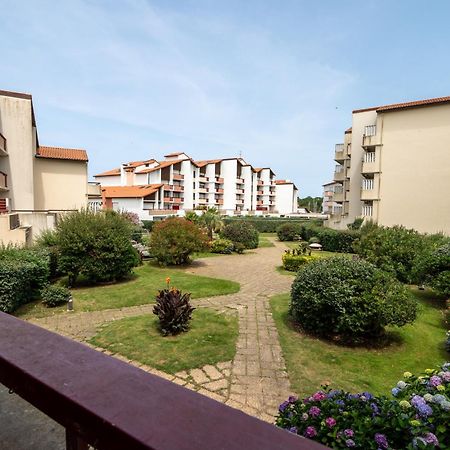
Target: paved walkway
{"x": 255, "y": 381}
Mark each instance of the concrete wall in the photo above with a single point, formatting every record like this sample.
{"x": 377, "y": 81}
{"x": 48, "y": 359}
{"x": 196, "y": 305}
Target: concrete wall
{"x": 228, "y": 170}
{"x": 187, "y": 169}
{"x": 415, "y": 168}
{"x": 247, "y": 175}
{"x": 109, "y": 181}
{"x": 134, "y": 205}
{"x": 285, "y": 195}
{"x": 16, "y": 126}
{"x": 17, "y": 236}
{"x": 60, "y": 184}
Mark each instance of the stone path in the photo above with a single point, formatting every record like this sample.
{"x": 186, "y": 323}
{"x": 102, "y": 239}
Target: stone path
{"x": 256, "y": 380}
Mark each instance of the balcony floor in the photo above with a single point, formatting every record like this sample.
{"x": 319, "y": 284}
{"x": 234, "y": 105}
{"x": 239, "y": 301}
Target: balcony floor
{"x": 25, "y": 427}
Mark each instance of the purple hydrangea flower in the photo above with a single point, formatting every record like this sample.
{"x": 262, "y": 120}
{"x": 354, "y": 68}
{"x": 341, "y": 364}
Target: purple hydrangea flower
{"x": 431, "y": 439}
{"x": 446, "y": 377}
{"x": 446, "y": 366}
{"x": 330, "y": 422}
{"x": 435, "y": 381}
{"x": 375, "y": 408}
{"x": 314, "y": 411}
{"x": 424, "y": 410}
{"x": 417, "y": 400}
{"x": 350, "y": 443}
{"x": 293, "y": 430}
{"x": 310, "y": 432}
{"x": 349, "y": 433}
{"x": 368, "y": 395}
{"x": 381, "y": 440}
{"x": 283, "y": 406}
{"x": 292, "y": 399}
{"x": 319, "y": 396}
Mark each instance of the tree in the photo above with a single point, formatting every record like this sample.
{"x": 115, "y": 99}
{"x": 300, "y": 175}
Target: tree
{"x": 313, "y": 204}
{"x": 212, "y": 221}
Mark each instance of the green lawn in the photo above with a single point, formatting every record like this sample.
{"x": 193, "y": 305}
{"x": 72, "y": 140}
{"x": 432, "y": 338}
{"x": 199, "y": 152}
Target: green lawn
{"x": 311, "y": 361}
{"x": 264, "y": 241}
{"x": 138, "y": 291}
{"x": 211, "y": 339}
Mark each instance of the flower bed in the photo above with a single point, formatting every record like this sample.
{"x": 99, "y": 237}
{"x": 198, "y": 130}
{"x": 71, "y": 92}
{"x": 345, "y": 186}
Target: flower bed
{"x": 417, "y": 417}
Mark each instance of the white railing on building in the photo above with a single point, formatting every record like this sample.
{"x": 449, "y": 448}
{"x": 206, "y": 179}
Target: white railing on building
{"x": 370, "y": 130}
{"x": 369, "y": 157}
{"x": 368, "y": 184}
{"x": 367, "y": 210}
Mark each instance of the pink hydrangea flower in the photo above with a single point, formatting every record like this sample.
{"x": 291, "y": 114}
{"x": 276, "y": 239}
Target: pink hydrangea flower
{"x": 319, "y": 396}
{"x": 330, "y": 422}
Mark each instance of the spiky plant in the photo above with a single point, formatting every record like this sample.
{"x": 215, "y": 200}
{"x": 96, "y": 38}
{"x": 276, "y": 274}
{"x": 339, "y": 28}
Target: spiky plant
{"x": 174, "y": 311}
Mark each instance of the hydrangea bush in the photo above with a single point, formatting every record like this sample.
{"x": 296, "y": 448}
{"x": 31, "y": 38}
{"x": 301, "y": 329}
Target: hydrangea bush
{"x": 417, "y": 416}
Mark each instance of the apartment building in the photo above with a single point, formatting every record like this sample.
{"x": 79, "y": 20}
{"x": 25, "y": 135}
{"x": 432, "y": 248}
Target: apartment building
{"x": 286, "y": 195}
{"x": 156, "y": 189}
{"x": 329, "y": 206}
{"x": 394, "y": 167}
{"x": 36, "y": 183}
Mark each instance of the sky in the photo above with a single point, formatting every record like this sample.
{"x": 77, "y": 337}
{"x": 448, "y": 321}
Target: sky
{"x": 273, "y": 81}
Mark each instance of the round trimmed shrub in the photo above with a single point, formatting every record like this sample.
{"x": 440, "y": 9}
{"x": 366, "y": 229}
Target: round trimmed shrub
{"x": 241, "y": 232}
{"x": 173, "y": 241}
{"x": 224, "y": 246}
{"x": 349, "y": 299}
{"x": 288, "y": 232}
{"x": 54, "y": 295}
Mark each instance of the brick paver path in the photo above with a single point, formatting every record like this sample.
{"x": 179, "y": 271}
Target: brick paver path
{"x": 256, "y": 380}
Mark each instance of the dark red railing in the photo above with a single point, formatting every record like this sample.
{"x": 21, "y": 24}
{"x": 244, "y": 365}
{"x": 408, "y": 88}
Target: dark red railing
{"x": 109, "y": 404}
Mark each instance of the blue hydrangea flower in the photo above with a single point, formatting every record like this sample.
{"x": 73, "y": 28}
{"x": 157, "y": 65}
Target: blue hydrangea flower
{"x": 401, "y": 384}
{"x": 293, "y": 430}
{"x": 395, "y": 391}
{"x": 283, "y": 406}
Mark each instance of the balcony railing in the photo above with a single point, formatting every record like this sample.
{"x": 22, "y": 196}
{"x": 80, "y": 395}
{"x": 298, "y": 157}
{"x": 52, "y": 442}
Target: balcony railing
{"x": 177, "y": 176}
{"x": 339, "y": 153}
{"x": 370, "y": 163}
{"x": 370, "y": 137}
{"x": 109, "y": 404}
{"x": 3, "y": 181}
{"x": 219, "y": 180}
{"x": 260, "y": 182}
{"x": 161, "y": 212}
{"x": 3, "y": 151}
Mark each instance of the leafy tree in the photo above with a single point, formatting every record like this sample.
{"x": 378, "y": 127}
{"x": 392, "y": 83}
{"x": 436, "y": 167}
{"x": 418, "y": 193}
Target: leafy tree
{"x": 313, "y": 204}
{"x": 212, "y": 221}
{"x": 241, "y": 232}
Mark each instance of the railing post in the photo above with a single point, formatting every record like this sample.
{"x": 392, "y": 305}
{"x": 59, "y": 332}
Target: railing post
{"x": 74, "y": 442}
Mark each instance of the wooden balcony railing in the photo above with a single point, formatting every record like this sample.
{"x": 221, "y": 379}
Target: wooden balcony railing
{"x": 109, "y": 404}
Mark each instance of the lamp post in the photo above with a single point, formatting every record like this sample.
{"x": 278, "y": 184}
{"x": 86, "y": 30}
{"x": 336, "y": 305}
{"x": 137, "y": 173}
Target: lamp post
{"x": 70, "y": 304}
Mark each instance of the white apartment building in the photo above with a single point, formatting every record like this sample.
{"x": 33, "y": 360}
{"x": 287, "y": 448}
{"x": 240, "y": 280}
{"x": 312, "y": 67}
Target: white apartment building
{"x": 157, "y": 189}
{"x": 330, "y": 191}
{"x": 286, "y": 194}
{"x": 394, "y": 167}
{"x": 36, "y": 183}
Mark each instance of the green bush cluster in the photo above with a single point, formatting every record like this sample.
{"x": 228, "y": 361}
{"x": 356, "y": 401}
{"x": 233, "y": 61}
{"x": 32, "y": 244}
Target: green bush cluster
{"x": 148, "y": 225}
{"x": 289, "y": 231}
{"x": 271, "y": 224}
{"x": 96, "y": 245}
{"x": 405, "y": 253}
{"x": 54, "y": 295}
{"x": 173, "y": 241}
{"x": 23, "y": 273}
{"x": 224, "y": 246}
{"x": 242, "y": 232}
{"x": 331, "y": 240}
{"x": 293, "y": 262}
{"x": 349, "y": 299}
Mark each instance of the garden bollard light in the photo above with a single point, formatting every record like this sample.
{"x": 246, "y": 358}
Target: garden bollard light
{"x": 70, "y": 304}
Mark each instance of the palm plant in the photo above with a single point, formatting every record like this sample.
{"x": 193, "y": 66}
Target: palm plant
{"x": 212, "y": 221}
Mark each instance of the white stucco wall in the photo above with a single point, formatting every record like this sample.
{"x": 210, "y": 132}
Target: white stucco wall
{"x": 109, "y": 180}
{"x": 228, "y": 170}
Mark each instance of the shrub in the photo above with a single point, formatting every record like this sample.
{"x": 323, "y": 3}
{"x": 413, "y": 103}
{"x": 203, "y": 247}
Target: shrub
{"x": 173, "y": 241}
{"x": 356, "y": 224}
{"x": 212, "y": 221}
{"x": 48, "y": 240}
{"x": 314, "y": 240}
{"x": 447, "y": 341}
{"x": 174, "y": 311}
{"x": 348, "y": 298}
{"x": 242, "y": 232}
{"x": 294, "y": 262}
{"x": 392, "y": 249}
{"x": 54, "y": 295}
{"x": 23, "y": 273}
{"x": 288, "y": 232}
{"x": 271, "y": 224}
{"x": 148, "y": 225}
{"x": 223, "y": 246}
{"x": 239, "y": 248}
{"x": 97, "y": 245}
{"x": 416, "y": 419}
{"x": 432, "y": 267}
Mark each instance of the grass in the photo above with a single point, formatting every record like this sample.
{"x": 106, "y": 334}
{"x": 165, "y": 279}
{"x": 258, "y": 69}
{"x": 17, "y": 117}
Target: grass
{"x": 264, "y": 241}
{"x": 140, "y": 290}
{"x": 312, "y": 361}
{"x": 211, "y": 339}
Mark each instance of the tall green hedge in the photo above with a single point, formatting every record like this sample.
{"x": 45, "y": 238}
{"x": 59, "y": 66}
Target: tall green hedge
{"x": 23, "y": 273}
{"x": 271, "y": 224}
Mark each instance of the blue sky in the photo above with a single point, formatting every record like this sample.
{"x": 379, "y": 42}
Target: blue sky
{"x": 274, "y": 80}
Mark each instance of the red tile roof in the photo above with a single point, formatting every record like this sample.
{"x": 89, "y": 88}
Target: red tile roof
{"x": 161, "y": 165}
{"x": 72, "y": 154}
{"x": 430, "y": 101}
{"x": 208, "y": 161}
{"x": 139, "y": 163}
{"x": 414, "y": 104}
{"x": 129, "y": 191}
{"x": 109, "y": 173}
{"x": 174, "y": 154}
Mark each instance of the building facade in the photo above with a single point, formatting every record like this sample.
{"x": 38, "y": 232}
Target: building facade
{"x": 36, "y": 182}
{"x": 394, "y": 167}
{"x": 157, "y": 189}
{"x": 329, "y": 206}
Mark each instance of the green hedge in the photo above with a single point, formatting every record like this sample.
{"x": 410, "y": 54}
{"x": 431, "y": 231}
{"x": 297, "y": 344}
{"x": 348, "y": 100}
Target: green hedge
{"x": 148, "y": 224}
{"x": 332, "y": 240}
{"x": 23, "y": 273}
{"x": 294, "y": 262}
{"x": 271, "y": 224}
